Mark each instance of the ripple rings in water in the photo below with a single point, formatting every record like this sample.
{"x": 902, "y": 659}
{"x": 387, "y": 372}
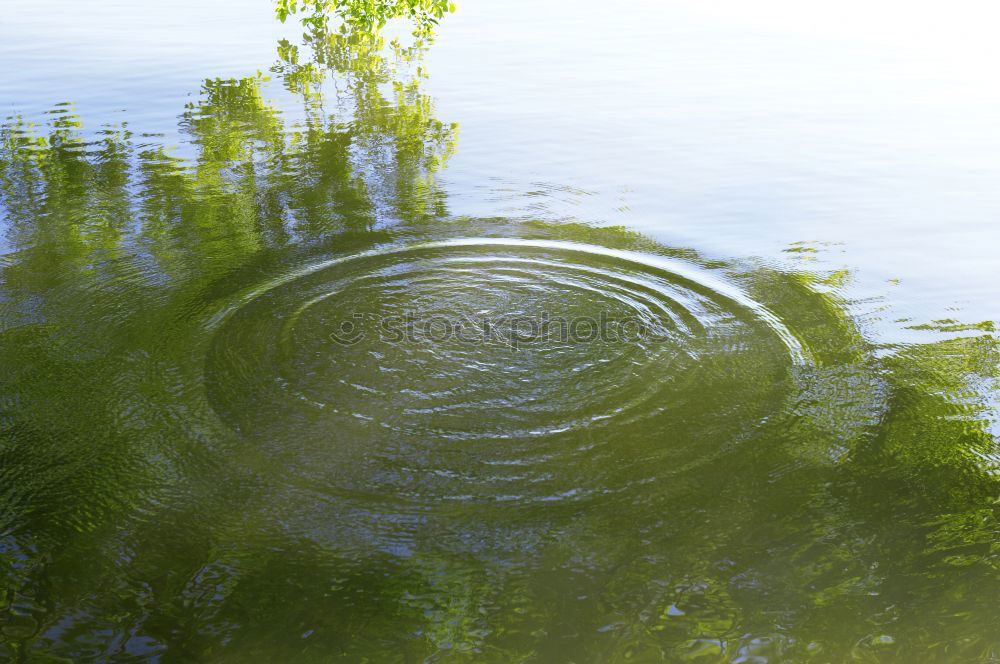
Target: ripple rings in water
{"x": 437, "y": 418}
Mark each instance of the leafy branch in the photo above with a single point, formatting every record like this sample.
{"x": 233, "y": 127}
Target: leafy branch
{"x": 367, "y": 15}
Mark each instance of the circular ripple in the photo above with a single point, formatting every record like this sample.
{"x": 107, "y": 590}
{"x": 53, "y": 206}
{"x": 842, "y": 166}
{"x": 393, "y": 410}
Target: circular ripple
{"x": 488, "y": 370}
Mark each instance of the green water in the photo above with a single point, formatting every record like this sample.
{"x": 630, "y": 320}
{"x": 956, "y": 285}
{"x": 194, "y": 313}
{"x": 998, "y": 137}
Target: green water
{"x": 266, "y": 398}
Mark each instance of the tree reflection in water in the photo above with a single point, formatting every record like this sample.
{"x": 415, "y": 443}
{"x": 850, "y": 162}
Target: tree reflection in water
{"x": 857, "y": 520}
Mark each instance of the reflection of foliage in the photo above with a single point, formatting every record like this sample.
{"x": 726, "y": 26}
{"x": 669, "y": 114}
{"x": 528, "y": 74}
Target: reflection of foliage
{"x": 401, "y": 142}
{"x": 861, "y": 524}
{"x": 111, "y": 231}
{"x": 255, "y": 178}
{"x": 368, "y": 15}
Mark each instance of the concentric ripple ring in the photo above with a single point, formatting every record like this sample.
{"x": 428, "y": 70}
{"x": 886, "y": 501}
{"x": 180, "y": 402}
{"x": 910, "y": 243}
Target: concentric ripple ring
{"x": 408, "y": 372}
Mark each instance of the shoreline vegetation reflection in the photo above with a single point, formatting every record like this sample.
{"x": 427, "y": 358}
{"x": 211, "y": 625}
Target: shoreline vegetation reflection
{"x": 193, "y": 470}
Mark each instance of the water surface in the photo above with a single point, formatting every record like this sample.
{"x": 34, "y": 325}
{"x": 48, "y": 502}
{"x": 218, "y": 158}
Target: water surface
{"x": 652, "y": 335}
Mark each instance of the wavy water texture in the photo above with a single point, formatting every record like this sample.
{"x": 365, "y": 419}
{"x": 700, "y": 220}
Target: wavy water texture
{"x": 754, "y": 458}
{"x": 213, "y": 447}
{"x": 485, "y": 418}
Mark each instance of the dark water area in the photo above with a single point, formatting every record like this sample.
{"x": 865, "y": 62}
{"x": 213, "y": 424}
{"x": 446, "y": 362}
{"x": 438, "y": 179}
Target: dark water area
{"x": 296, "y": 368}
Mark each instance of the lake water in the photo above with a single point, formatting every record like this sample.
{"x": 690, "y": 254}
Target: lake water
{"x": 579, "y": 333}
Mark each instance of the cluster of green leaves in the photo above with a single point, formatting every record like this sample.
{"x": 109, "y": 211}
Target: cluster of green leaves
{"x": 367, "y": 15}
